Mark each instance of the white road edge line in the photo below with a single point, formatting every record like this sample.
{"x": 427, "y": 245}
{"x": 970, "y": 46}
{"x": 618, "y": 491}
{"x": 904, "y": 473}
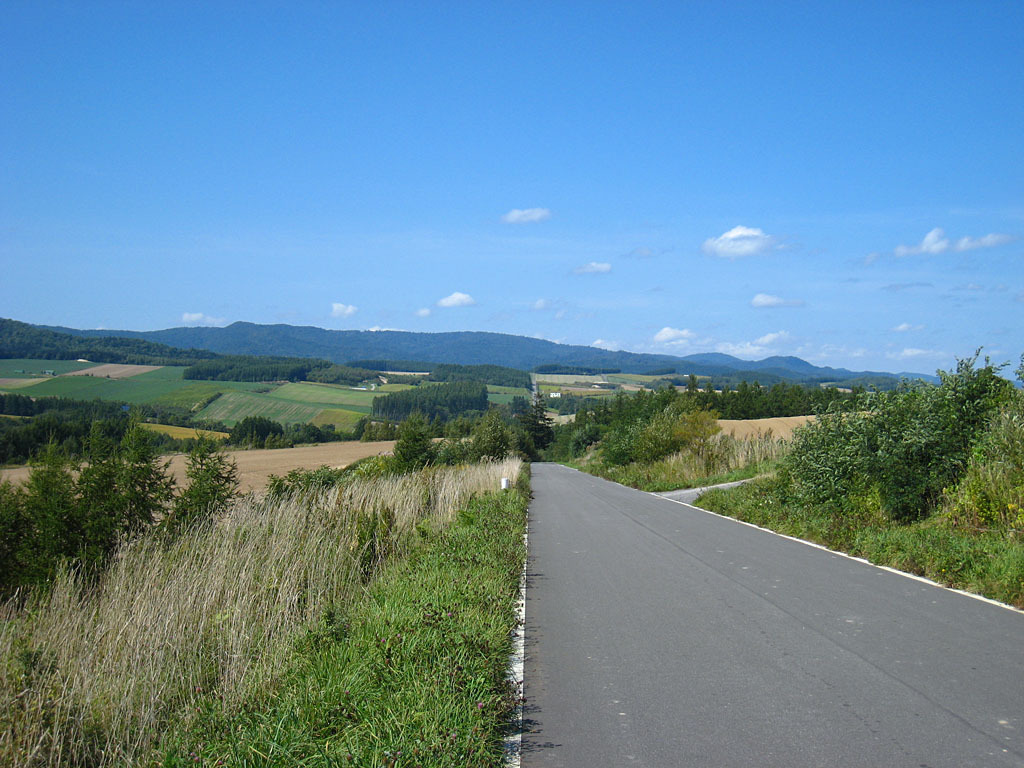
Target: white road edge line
{"x": 915, "y": 577}
{"x": 516, "y": 672}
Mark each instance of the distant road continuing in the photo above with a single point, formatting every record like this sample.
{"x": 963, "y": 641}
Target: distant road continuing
{"x": 661, "y": 635}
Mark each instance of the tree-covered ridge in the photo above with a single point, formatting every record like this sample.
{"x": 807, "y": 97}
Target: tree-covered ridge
{"x": 484, "y": 348}
{"x": 252, "y": 368}
{"x": 435, "y": 401}
{"x": 498, "y": 375}
{"x": 19, "y": 340}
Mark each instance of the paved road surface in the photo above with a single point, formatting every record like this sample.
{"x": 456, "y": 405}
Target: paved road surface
{"x": 661, "y": 635}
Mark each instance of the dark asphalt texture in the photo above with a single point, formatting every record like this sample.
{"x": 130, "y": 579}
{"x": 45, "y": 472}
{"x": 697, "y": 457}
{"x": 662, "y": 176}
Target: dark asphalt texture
{"x": 662, "y": 635}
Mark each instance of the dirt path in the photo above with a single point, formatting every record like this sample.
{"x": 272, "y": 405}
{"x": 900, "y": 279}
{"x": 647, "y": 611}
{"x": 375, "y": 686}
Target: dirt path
{"x": 255, "y": 467}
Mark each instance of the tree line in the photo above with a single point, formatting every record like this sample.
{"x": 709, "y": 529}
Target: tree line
{"x": 433, "y": 401}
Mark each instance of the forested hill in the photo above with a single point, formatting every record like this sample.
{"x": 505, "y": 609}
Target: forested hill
{"x": 29, "y": 341}
{"x": 478, "y": 348}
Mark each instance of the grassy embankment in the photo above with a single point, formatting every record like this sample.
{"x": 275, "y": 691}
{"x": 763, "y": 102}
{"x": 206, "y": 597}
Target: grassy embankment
{"x": 724, "y": 459}
{"x": 367, "y": 625}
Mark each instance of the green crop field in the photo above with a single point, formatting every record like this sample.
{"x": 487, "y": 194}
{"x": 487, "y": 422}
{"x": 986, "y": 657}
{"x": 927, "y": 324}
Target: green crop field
{"x": 232, "y": 407}
{"x": 9, "y": 367}
{"x": 164, "y": 386}
{"x": 497, "y": 389}
{"x": 339, "y": 417}
{"x": 326, "y": 395}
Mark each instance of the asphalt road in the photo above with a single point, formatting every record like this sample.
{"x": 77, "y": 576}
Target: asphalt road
{"x": 661, "y": 635}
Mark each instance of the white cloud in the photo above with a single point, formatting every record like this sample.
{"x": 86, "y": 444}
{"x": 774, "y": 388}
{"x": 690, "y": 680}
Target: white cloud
{"x": 198, "y": 318}
{"x": 541, "y": 304}
{"x": 904, "y": 327}
{"x": 910, "y": 353}
{"x": 526, "y": 215}
{"x": 764, "y": 300}
{"x": 605, "y": 344}
{"x": 593, "y": 268}
{"x": 986, "y": 241}
{"x": 934, "y": 242}
{"x": 771, "y": 338}
{"x": 669, "y": 335}
{"x": 760, "y": 347}
{"x": 737, "y": 242}
{"x": 423, "y": 312}
{"x": 343, "y": 310}
{"x": 457, "y": 299}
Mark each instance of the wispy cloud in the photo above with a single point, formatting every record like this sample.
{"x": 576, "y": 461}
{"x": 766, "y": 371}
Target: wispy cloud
{"x": 343, "y": 310}
{"x": 457, "y": 299}
{"x": 893, "y": 287}
{"x": 639, "y": 253}
{"x": 911, "y": 353}
{"x": 526, "y": 215}
{"x": 904, "y": 327}
{"x": 767, "y": 300}
{"x": 593, "y": 268}
{"x": 540, "y": 305}
{"x": 936, "y": 242}
{"x": 198, "y": 318}
{"x": 986, "y": 241}
{"x": 674, "y": 336}
{"x": 423, "y": 312}
{"x": 737, "y": 242}
{"x": 605, "y": 344}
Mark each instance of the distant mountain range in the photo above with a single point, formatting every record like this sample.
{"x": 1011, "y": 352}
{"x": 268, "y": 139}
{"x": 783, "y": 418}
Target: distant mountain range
{"x": 481, "y": 347}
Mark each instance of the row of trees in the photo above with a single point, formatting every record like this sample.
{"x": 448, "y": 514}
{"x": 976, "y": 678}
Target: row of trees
{"x": 76, "y": 514}
{"x": 433, "y": 401}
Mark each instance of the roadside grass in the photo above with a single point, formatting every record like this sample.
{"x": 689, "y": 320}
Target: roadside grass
{"x": 414, "y": 674}
{"x": 989, "y": 563}
{"x": 727, "y": 460}
{"x": 188, "y": 646}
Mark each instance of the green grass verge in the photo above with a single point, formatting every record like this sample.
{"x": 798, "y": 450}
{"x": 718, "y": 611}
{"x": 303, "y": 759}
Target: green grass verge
{"x": 413, "y": 675}
{"x": 643, "y": 478}
{"x": 987, "y": 563}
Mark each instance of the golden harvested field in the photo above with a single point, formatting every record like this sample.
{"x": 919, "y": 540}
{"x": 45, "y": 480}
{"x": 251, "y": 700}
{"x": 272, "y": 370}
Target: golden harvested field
{"x": 182, "y": 432}
{"x": 18, "y": 383}
{"x": 255, "y": 467}
{"x": 114, "y": 371}
{"x": 780, "y": 427}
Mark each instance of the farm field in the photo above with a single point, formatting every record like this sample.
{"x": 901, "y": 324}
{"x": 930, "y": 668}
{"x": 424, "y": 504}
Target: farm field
{"x": 330, "y": 395}
{"x": 18, "y": 383}
{"x": 256, "y": 467}
{"x": 163, "y": 386}
{"x": 9, "y": 367}
{"x": 114, "y": 371}
{"x": 339, "y": 417}
{"x": 568, "y": 378}
{"x": 231, "y": 407}
{"x": 781, "y": 427}
{"x": 505, "y": 395}
{"x": 182, "y": 433}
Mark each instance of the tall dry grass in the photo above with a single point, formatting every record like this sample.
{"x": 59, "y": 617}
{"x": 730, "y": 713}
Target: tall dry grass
{"x": 715, "y": 460}
{"x": 92, "y": 674}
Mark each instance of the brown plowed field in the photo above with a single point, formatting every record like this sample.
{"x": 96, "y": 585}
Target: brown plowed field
{"x": 781, "y": 427}
{"x": 113, "y": 371}
{"x": 255, "y": 467}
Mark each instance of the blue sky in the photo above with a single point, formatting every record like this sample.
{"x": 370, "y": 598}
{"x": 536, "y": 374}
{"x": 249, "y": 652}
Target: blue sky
{"x": 839, "y": 181}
